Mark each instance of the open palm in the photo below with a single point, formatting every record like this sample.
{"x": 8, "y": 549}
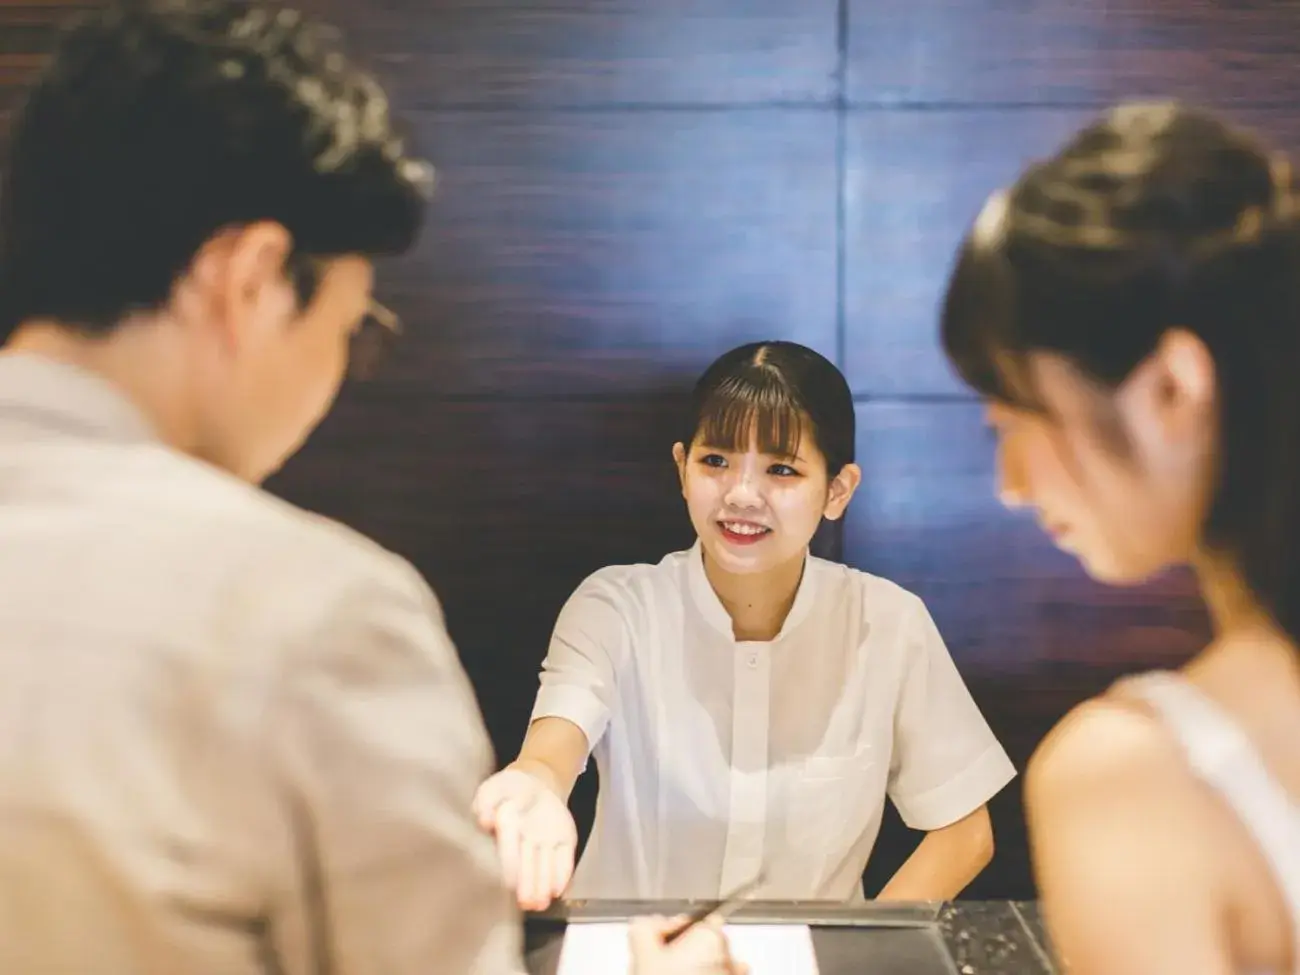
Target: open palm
{"x": 535, "y": 834}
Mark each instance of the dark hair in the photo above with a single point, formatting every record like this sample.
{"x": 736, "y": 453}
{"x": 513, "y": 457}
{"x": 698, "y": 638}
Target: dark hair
{"x": 775, "y": 390}
{"x": 1155, "y": 217}
{"x": 159, "y": 123}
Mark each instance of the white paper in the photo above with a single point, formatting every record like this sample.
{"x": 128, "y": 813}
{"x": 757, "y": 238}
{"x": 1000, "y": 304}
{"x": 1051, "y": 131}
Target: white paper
{"x": 601, "y": 948}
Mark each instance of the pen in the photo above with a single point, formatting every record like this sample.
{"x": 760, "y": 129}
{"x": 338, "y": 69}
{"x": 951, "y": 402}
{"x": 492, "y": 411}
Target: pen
{"x": 720, "y": 908}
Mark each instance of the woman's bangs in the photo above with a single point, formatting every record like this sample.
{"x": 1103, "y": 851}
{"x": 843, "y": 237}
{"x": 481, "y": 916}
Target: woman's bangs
{"x": 755, "y": 408}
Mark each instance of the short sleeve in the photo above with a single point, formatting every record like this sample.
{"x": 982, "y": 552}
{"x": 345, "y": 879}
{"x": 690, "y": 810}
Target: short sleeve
{"x": 946, "y": 761}
{"x": 377, "y": 741}
{"x": 578, "y": 679}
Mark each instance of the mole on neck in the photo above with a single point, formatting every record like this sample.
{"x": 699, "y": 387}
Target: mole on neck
{"x": 758, "y": 603}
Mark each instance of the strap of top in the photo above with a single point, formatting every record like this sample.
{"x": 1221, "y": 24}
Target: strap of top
{"x": 1223, "y": 757}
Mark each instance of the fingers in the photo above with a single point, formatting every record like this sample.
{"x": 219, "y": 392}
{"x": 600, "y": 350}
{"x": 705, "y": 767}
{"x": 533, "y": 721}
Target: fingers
{"x": 661, "y": 927}
{"x": 507, "y": 786}
{"x": 647, "y": 933}
{"x": 538, "y": 868}
{"x": 490, "y": 795}
{"x": 509, "y": 839}
{"x": 534, "y": 892}
{"x": 483, "y": 805}
{"x": 545, "y": 869}
{"x": 702, "y": 950}
{"x": 486, "y": 815}
{"x": 562, "y": 868}
{"x": 535, "y": 838}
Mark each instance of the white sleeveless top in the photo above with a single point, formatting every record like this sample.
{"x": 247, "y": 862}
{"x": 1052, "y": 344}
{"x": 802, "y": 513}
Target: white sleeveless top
{"x": 1222, "y": 756}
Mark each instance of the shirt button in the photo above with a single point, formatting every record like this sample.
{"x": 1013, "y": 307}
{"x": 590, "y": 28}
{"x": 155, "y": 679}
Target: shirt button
{"x": 753, "y": 660}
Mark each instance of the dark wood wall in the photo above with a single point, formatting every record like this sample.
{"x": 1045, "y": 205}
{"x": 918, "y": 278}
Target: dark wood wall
{"x": 629, "y": 187}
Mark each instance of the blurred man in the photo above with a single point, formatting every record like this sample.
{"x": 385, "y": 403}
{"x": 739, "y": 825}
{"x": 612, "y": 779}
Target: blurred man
{"x": 234, "y": 737}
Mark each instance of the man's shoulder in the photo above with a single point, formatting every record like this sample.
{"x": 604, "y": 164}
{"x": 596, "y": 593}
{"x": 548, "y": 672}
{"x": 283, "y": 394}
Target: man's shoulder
{"x": 259, "y": 535}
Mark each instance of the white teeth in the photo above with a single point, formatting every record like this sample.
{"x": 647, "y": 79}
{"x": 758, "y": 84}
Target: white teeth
{"x": 741, "y": 529}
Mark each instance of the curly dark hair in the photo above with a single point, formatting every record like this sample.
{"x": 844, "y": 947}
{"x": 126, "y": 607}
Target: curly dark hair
{"x": 160, "y": 122}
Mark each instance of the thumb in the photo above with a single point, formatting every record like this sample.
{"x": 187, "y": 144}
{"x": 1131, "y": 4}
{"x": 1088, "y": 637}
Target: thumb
{"x": 486, "y": 800}
{"x": 648, "y": 932}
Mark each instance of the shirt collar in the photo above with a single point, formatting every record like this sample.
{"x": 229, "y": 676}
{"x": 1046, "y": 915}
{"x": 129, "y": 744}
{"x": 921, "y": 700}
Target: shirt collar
{"x": 715, "y": 614}
{"x": 40, "y": 392}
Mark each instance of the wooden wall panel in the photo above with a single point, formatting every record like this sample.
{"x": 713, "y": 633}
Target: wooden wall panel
{"x": 28, "y": 32}
{"x": 515, "y": 482}
{"x": 589, "y": 252}
{"x": 613, "y": 52}
{"x": 1277, "y": 125}
{"x": 1054, "y": 52}
{"x": 914, "y": 182}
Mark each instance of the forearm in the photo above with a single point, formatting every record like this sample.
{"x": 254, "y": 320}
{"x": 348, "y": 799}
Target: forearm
{"x": 943, "y": 865}
{"x": 553, "y": 752}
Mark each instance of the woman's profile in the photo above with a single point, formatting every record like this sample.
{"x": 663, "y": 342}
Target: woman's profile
{"x": 1130, "y": 311}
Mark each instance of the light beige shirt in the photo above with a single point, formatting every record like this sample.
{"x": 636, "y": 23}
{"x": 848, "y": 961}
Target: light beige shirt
{"x": 720, "y": 758}
{"x": 234, "y": 737}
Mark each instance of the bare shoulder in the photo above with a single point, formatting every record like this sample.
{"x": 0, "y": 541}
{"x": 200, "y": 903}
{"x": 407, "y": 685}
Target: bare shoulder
{"x": 1117, "y": 831}
{"x": 1103, "y": 741}
{"x": 1109, "y": 780}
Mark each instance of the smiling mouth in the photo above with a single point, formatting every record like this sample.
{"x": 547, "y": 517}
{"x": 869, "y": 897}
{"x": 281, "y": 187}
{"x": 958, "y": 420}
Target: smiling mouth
{"x": 743, "y": 531}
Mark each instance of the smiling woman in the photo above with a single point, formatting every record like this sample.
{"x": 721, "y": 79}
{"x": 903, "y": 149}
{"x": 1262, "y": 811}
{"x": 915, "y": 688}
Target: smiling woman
{"x": 749, "y": 706}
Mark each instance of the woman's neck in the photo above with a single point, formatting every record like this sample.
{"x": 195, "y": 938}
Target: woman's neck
{"x": 1232, "y": 606}
{"x": 757, "y": 603}
{"x": 1251, "y": 665}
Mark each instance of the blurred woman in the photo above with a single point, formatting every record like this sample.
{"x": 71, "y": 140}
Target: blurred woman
{"x": 1130, "y": 311}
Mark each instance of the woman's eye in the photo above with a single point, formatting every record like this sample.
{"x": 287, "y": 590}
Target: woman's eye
{"x": 783, "y": 470}
{"x": 713, "y": 460}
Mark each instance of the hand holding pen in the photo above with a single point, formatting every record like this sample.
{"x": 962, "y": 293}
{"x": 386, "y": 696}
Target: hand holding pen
{"x": 692, "y": 945}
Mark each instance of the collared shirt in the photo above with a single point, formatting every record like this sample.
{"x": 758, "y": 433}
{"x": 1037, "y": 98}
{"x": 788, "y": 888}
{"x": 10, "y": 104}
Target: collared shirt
{"x": 235, "y": 738}
{"x": 720, "y": 758}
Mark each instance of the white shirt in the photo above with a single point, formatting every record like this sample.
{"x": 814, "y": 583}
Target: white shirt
{"x": 719, "y": 757}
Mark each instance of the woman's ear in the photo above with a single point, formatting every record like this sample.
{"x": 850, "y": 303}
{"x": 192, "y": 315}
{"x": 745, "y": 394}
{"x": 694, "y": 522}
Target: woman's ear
{"x": 679, "y": 459}
{"x": 1171, "y": 394}
{"x": 841, "y": 491}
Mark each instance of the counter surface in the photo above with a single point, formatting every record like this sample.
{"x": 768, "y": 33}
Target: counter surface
{"x": 952, "y": 938}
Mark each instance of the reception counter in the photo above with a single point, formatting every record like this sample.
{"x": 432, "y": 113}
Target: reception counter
{"x": 954, "y": 938}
